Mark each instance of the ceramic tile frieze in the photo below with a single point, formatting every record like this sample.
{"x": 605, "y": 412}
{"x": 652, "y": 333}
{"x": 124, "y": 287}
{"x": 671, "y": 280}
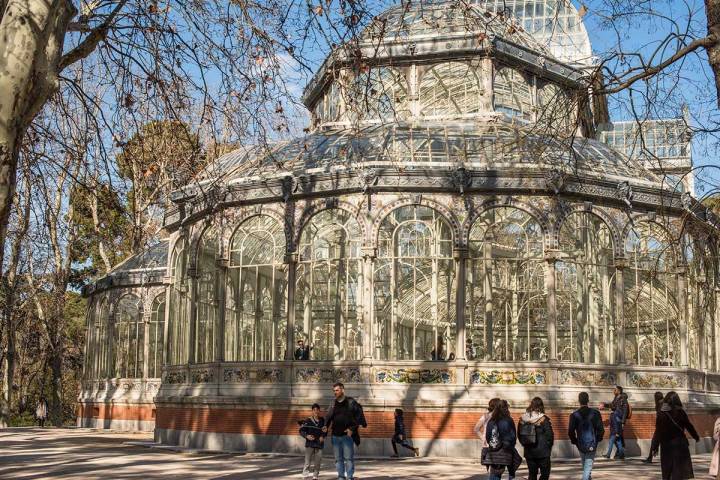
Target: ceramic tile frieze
{"x": 413, "y": 375}
{"x": 508, "y": 377}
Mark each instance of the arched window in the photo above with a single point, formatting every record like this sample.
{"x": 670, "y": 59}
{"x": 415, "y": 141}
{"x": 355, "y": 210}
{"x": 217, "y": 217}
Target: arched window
{"x": 129, "y": 338}
{"x": 513, "y": 93}
{"x": 651, "y": 312}
{"x": 178, "y": 320}
{"x": 91, "y": 345}
{"x": 157, "y": 334}
{"x": 414, "y": 286}
{"x": 585, "y": 290}
{"x": 102, "y": 326}
{"x": 451, "y": 88}
{"x": 701, "y": 302}
{"x": 329, "y": 286}
{"x": 255, "y": 302}
{"x": 207, "y": 301}
{"x": 378, "y": 94}
{"x": 505, "y": 301}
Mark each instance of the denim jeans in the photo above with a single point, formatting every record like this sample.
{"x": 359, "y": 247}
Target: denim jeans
{"x": 587, "y": 464}
{"x": 616, "y": 440}
{"x": 498, "y": 475}
{"x": 344, "y": 451}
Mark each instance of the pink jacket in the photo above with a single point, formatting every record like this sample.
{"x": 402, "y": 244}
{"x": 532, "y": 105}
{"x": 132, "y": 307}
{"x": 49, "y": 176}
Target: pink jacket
{"x": 715, "y": 460}
{"x": 480, "y": 429}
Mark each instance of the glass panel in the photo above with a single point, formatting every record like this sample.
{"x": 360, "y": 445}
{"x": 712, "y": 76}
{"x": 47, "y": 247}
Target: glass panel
{"x": 157, "y": 332}
{"x": 450, "y": 89}
{"x": 329, "y": 280}
{"x": 414, "y": 287}
{"x": 585, "y": 290}
{"x": 505, "y": 299}
{"x": 255, "y": 318}
{"x": 178, "y": 309}
{"x": 129, "y": 338}
{"x": 651, "y": 311}
{"x": 207, "y": 301}
{"x": 513, "y": 93}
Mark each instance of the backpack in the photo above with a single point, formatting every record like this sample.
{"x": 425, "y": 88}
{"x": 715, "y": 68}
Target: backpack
{"x": 629, "y": 412}
{"x": 527, "y": 434}
{"x": 586, "y": 440}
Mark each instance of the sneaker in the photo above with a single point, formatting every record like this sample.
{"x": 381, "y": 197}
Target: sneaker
{"x": 647, "y": 460}
{"x": 394, "y": 455}
{"x": 417, "y": 451}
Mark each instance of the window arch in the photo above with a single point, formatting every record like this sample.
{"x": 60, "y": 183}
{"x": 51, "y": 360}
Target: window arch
{"x": 513, "y": 93}
{"x": 255, "y": 292}
{"x": 452, "y": 88}
{"x": 129, "y": 337}
{"x": 414, "y": 286}
{"x": 157, "y": 335}
{"x": 102, "y": 326}
{"x": 651, "y": 307}
{"x": 585, "y": 290}
{"x": 179, "y": 301}
{"x": 505, "y": 300}
{"x": 207, "y": 304}
{"x": 329, "y": 286}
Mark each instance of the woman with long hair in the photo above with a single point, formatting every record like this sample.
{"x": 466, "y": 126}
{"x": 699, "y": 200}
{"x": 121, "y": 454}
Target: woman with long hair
{"x": 501, "y": 436}
{"x": 535, "y": 433}
{"x": 670, "y": 426}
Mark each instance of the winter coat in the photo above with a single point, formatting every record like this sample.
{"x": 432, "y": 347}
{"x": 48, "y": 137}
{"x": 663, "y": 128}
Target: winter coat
{"x": 399, "y": 428}
{"x": 620, "y": 409}
{"x": 480, "y": 428}
{"x": 41, "y": 412}
{"x": 583, "y": 419}
{"x": 501, "y": 433}
{"x": 312, "y": 427}
{"x": 670, "y": 427}
{"x": 358, "y": 416}
{"x": 543, "y": 433}
{"x": 715, "y": 460}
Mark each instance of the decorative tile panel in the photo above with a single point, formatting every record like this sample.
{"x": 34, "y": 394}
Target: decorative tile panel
{"x": 656, "y": 380}
{"x": 174, "y": 378}
{"x": 253, "y": 375}
{"x": 414, "y": 375}
{"x": 507, "y": 377}
{"x": 587, "y": 378}
{"x": 328, "y": 375}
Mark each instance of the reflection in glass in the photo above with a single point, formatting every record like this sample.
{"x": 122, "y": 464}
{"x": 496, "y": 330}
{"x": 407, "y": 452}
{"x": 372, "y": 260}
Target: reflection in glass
{"x": 129, "y": 338}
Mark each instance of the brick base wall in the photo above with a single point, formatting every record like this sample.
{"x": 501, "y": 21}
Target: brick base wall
{"x": 114, "y": 416}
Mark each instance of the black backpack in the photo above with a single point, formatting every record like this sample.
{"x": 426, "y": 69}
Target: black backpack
{"x": 527, "y": 434}
{"x": 586, "y": 439}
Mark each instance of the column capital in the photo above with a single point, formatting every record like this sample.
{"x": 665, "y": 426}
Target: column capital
{"x": 368, "y": 252}
{"x": 291, "y": 257}
{"x": 460, "y": 252}
{"x": 620, "y": 263}
{"x": 552, "y": 255}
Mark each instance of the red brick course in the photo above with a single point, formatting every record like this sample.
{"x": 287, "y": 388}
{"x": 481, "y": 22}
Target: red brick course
{"x": 445, "y": 425}
{"x": 143, "y": 412}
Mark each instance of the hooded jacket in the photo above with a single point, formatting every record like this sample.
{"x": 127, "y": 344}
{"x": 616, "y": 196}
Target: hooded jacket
{"x": 544, "y": 434}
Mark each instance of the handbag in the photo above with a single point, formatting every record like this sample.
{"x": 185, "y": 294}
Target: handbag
{"x": 516, "y": 461}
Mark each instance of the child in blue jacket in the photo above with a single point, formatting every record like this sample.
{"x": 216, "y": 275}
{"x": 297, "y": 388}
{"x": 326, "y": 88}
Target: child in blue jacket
{"x": 311, "y": 429}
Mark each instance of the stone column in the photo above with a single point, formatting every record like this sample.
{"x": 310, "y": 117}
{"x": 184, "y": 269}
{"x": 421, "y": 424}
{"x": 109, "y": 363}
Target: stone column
{"x": 552, "y": 313}
{"x": 682, "y": 316}
{"x": 368, "y": 314}
{"x": 291, "y": 262}
{"x": 147, "y": 316}
{"x": 617, "y": 345}
{"x": 459, "y": 257}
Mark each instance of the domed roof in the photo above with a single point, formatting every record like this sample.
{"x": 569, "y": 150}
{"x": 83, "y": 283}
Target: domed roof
{"x": 428, "y": 19}
{"x": 494, "y": 146}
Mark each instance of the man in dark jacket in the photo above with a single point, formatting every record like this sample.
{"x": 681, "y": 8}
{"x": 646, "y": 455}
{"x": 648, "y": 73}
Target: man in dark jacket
{"x": 302, "y": 352}
{"x": 618, "y": 417}
{"x": 312, "y": 430}
{"x": 343, "y": 418}
{"x": 586, "y": 432}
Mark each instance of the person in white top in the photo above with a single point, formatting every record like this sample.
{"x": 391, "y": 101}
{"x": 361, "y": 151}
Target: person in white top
{"x": 482, "y": 422}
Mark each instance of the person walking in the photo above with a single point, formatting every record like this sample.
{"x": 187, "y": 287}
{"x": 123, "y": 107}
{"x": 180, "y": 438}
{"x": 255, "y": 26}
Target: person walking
{"x": 535, "y": 434}
{"x": 41, "y": 412}
{"x": 399, "y": 437}
{"x": 658, "y": 403}
{"x": 501, "y": 436}
{"x": 343, "y": 418}
{"x": 618, "y": 417}
{"x": 715, "y": 459}
{"x": 311, "y": 430}
{"x": 670, "y": 427}
{"x": 586, "y": 431}
{"x": 481, "y": 425}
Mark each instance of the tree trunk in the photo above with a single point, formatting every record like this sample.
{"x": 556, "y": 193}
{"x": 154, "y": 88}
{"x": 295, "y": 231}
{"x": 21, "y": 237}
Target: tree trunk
{"x": 712, "y": 9}
{"x": 32, "y": 33}
{"x": 56, "y": 361}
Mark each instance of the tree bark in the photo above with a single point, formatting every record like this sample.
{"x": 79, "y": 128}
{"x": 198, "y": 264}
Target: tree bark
{"x": 712, "y": 9}
{"x": 32, "y": 34}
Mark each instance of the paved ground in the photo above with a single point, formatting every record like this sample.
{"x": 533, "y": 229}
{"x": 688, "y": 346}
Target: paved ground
{"x": 29, "y": 453}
